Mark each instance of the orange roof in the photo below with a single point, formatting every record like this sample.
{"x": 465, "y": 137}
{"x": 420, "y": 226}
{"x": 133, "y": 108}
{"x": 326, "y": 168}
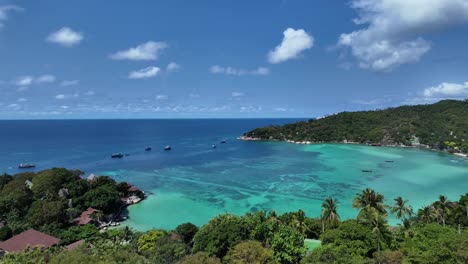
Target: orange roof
{"x": 85, "y": 217}
{"x": 29, "y": 238}
{"x": 74, "y": 244}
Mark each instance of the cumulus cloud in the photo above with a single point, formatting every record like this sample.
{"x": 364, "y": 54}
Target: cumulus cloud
{"x": 28, "y": 80}
{"x": 393, "y": 29}
{"x": 237, "y": 94}
{"x": 65, "y": 37}
{"x": 24, "y": 81}
{"x": 69, "y": 82}
{"x": 60, "y": 96}
{"x": 47, "y": 78}
{"x": 5, "y": 10}
{"x": 194, "y": 95}
{"x": 216, "y": 69}
{"x": 146, "y": 51}
{"x": 161, "y": 97}
{"x": 293, "y": 44}
{"x": 89, "y": 93}
{"x": 147, "y": 72}
{"x": 22, "y": 100}
{"x": 173, "y": 67}
{"x": 447, "y": 90}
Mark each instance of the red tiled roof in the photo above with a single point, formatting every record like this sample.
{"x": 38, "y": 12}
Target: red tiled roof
{"x": 85, "y": 217}
{"x": 74, "y": 244}
{"x": 29, "y": 238}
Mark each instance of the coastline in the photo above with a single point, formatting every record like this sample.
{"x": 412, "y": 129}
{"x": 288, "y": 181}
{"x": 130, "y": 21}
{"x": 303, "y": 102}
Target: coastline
{"x": 420, "y": 146}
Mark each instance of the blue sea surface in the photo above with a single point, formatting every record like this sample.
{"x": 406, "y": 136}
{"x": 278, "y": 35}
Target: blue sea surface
{"x": 194, "y": 182}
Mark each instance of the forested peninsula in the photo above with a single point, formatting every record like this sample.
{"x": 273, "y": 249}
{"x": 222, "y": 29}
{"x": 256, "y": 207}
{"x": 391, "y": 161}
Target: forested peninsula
{"x": 442, "y": 125}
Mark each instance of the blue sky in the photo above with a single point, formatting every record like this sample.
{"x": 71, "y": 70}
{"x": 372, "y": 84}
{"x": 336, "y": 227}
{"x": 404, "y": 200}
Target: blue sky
{"x": 220, "y": 58}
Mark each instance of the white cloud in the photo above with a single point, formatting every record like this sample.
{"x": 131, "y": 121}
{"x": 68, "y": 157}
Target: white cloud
{"x": 216, "y": 69}
{"x": 193, "y": 95}
{"x": 237, "y": 94}
{"x": 28, "y": 80}
{"x": 146, "y": 51}
{"x": 69, "y": 83}
{"x": 144, "y": 73}
{"x": 293, "y": 44}
{"x": 60, "y": 96}
{"x": 22, "y": 100}
{"x": 394, "y": 29}
{"x": 173, "y": 67}
{"x": 161, "y": 97}
{"x": 24, "y": 81}
{"x": 14, "y": 106}
{"x": 4, "y": 10}
{"x": 65, "y": 37}
{"x": 64, "y": 106}
{"x": 250, "y": 108}
{"x": 447, "y": 90}
{"x": 47, "y": 78}
{"x": 280, "y": 109}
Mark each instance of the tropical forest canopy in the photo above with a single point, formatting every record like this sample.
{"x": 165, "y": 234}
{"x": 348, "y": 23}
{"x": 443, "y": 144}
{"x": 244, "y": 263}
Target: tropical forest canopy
{"x": 443, "y": 125}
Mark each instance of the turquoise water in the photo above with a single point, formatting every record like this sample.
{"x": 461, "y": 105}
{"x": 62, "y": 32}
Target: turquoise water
{"x": 295, "y": 177}
{"x": 194, "y": 182}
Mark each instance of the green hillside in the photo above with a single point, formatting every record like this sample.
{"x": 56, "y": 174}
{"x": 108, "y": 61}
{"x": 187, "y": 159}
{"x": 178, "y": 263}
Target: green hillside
{"x": 442, "y": 125}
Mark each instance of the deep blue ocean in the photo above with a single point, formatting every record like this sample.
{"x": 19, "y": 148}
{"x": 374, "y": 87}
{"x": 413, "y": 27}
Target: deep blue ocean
{"x": 88, "y": 144}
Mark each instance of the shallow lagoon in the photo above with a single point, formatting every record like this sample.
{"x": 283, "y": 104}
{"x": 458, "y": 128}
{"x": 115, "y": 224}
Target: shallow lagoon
{"x": 295, "y": 177}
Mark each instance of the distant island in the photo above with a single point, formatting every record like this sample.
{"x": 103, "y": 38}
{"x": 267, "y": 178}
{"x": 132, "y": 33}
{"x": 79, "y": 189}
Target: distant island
{"x": 442, "y": 125}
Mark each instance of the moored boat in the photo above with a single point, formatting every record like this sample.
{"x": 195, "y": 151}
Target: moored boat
{"x": 117, "y": 155}
{"x": 167, "y": 148}
{"x": 213, "y": 146}
{"x": 366, "y": 170}
{"x": 26, "y": 166}
{"x": 222, "y": 141}
{"x": 148, "y": 148}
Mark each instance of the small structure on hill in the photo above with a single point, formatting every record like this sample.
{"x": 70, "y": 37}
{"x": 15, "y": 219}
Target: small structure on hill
{"x": 29, "y": 184}
{"x": 85, "y": 217}
{"x": 30, "y": 238}
{"x": 75, "y": 244}
{"x": 134, "y": 195}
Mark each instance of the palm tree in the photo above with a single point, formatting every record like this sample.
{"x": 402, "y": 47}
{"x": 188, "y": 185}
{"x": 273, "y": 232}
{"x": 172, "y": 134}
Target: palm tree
{"x": 401, "y": 208}
{"x": 367, "y": 200}
{"x": 443, "y": 205}
{"x": 329, "y": 212}
{"x": 379, "y": 225}
{"x": 298, "y": 221}
{"x": 426, "y": 214}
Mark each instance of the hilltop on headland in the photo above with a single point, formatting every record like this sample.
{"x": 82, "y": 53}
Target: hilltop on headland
{"x": 442, "y": 125}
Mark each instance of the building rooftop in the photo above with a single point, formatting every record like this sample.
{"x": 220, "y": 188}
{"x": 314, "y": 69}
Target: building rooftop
{"x": 74, "y": 244}
{"x": 29, "y": 238}
{"x": 85, "y": 217}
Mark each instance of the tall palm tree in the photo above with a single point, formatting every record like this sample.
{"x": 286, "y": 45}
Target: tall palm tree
{"x": 426, "y": 214}
{"x": 401, "y": 208}
{"x": 443, "y": 205}
{"x": 298, "y": 221}
{"x": 366, "y": 200}
{"x": 329, "y": 212}
{"x": 459, "y": 216}
{"x": 379, "y": 224}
